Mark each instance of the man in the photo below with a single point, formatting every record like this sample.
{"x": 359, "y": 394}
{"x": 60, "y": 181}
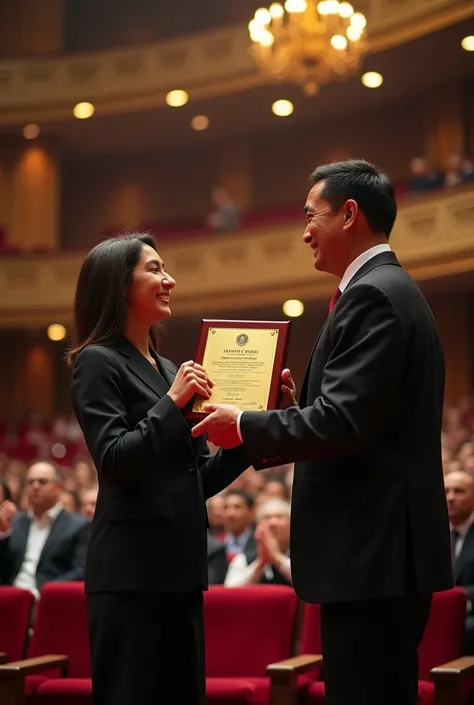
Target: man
{"x": 370, "y": 536}
{"x": 47, "y": 542}
{"x": 459, "y": 486}
{"x": 271, "y": 565}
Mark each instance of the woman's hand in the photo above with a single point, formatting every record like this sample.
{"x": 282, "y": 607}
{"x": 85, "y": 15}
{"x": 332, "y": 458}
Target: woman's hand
{"x": 190, "y": 379}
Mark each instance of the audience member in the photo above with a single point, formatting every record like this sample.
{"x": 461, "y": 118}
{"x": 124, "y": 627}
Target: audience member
{"x": 239, "y": 523}
{"x": 272, "y": 536}
{"x": 46, "y": 542}
{"x": 226, "y": 215}
{"x": 88, "y": 502}
{"x": 459, "y": 486}
{"x": 424, "y": 177}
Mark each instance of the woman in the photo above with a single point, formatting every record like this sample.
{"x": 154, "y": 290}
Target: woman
{"x": 146, "y": 566}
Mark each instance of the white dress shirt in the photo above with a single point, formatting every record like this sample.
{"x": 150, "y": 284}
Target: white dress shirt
{"x": 241, "y": 573}
{"x": 352, "y": 269}
{"x": 37, "y": 537}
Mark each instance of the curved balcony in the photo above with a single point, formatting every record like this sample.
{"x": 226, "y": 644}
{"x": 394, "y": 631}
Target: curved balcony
{"x": 433, "y": 237}
{"x": 209, "y": 64}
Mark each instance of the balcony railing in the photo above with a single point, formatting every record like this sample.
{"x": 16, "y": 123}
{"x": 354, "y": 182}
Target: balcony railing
{"x": 433, "y": 237}
{"x": 206, "y": 65}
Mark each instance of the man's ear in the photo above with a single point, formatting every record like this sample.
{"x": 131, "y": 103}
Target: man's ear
{"x": 351, "y": 210}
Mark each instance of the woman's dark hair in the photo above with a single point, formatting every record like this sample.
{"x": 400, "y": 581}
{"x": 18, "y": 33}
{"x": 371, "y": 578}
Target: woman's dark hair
{"x": 361, "y": 181}
{"x": 100, "y": 304}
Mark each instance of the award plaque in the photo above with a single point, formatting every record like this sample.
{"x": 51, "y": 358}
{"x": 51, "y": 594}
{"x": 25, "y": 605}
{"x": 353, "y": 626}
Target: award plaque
{"x": 244, "y": 360}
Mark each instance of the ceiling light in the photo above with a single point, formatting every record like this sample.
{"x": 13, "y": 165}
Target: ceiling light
{"x": 372, "y": 79}
{"x": 56, "y": 332}
{"x": 293, "y": 308}
{"x": 468, "y": 43}
{"x": 31, "y": 131}
{"x": 282, "y": 108}
{"x": 339, "y": 42}
{"x": 82, "y": 111}
{"x": 177, "y": 98}
{"x": 200, "y": 122}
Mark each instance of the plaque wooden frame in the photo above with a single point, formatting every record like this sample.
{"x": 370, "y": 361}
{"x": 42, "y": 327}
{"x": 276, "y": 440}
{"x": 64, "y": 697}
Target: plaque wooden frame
{"x": 279, "y": 362}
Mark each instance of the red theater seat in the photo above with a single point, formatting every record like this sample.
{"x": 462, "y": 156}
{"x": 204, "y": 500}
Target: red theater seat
{"x": 245, "y": 629}
{"x": 440, "y": 645}
{"x": 15, "y": 613}
{"x": 59, "y": 647}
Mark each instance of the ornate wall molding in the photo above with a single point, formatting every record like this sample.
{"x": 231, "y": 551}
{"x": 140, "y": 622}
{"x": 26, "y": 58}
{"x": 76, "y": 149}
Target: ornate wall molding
{"x": 433, "y": 237}
{"x": 207, "y": 64}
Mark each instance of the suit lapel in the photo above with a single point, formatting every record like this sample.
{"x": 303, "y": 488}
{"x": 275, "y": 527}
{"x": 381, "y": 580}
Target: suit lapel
{"x": 380, "y": 259}
{"x": 304, "y": 386}
{"x": 141, "y": 368}
{"x": 22, "y": 529}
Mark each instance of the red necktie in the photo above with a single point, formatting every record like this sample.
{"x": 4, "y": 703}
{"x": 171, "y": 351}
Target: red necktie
{"x": 334, "y": 299}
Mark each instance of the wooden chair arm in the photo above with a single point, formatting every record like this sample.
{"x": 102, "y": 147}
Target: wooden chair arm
{"x": 449, "y": 680}
{"x": 283, "y": 676}
{"x": 13, "y": 674}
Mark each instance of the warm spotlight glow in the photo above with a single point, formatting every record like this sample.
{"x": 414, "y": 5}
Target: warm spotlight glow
{"x": 177, "y": 98}
{"x": 372, "y": 79}
{"x": 345, "y": 9}
{"x": 56, "y": 332}
{"x": 31, "y": 131}
{"x": 276, "y": 10}
{"x": 468, "y": 43}
{"x": 282, "y": 108}
{"x": 262, "y": 16}
{"x": 293, "y": 308}
{"x": 354, "y": 33}
{"x": 82, "y": 111}
{"x": 339, "y": 42}
{"x": 358, "y": 20}
{"x": 200, "y": 122}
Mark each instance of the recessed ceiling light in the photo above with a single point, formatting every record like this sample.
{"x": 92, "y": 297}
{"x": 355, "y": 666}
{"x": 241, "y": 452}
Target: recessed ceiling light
{"x": 56, "y": 332}
{"x": 31, "y": 131}
{"x": 177, "y": 98}
{"x": 82, "y": 111}
{"x": 293, "y": 308}
{"x": 282, "y": 108}
{"x": 372, "y": 79}
{"x": 468, "y": 43}
{"x": 200, "y": 122}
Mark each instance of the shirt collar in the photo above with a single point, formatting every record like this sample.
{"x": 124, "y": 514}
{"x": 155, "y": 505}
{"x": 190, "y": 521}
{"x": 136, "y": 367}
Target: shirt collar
{"x": 463, "y": 528}
{"x": 49, "y": 516}
{"x": 359, "y": 261}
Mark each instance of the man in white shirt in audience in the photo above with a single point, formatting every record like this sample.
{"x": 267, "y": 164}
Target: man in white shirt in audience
{"x": 272, "y": 536}
{"x": 45, "y": 543}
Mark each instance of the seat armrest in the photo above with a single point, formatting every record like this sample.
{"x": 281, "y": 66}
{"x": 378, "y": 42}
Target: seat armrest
{"x": 13, "y": 674}
{"x": 449, "y": 680}
{"x": 283, "y": 674}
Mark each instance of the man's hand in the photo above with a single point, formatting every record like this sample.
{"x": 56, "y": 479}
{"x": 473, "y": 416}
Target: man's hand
{"x": 7, "y": 511}
{"x": 272, "y": 547}
{"x": 289, "y": 390}
{"x": 220, "y": 425}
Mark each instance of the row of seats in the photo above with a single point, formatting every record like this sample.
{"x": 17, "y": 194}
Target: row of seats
{"x": 251, "y": 635}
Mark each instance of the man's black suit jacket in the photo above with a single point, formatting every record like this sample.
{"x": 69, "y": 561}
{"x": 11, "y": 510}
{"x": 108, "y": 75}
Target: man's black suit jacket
{"x": 369, "y": 516}
{"x": 149, "y": 528}
{"x": 63, "y": 556}
{"x": 463, "y": 568}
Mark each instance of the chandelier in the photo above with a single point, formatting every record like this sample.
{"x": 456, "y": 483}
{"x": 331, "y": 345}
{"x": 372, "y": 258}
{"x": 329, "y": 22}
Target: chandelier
{"x": 308, "y": 42}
